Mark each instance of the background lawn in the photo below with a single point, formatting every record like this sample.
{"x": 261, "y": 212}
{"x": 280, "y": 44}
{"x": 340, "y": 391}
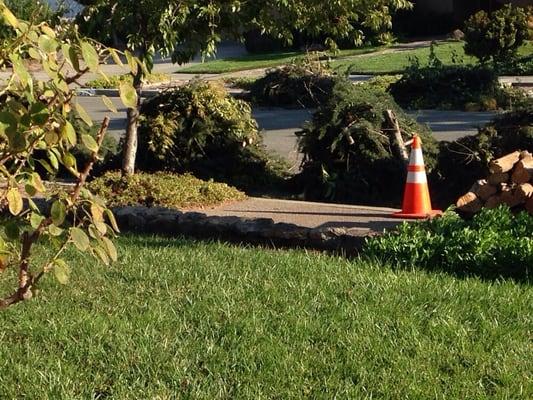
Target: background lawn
{"x": 395, "y": 63}
{"x": 449, "y": 52}
{"x": 181, "y": 319}
{"x": 254, "y": 61}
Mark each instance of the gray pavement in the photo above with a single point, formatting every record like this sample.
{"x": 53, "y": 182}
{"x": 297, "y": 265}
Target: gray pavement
{"x": 451, "y": 125}
{"x": 362, "y": 219}
{"x": 279, "y": 124}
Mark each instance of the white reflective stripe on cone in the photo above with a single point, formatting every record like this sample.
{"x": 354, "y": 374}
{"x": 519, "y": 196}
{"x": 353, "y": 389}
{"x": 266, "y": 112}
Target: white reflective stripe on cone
{"x": 417, "y": 177}
{"x": 416, "y": 157}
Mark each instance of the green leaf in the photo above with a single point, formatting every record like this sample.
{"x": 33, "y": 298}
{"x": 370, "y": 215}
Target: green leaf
{"x": 53, "y": 160}
{"x": 101, "y": 227}
{"x": 83, "y": 114}
{"x": 14, "y": 200}
{"x": 69, "y": 160}
{"x": 34, "y": 54}
{"x": 20, "y": 70}
{"x": 89, "y": 142}
{"x": 37, "y": 182}
{"x": 116, "y": 57}
{"x": 35, "y": 220}
{"x": 58, "y": 212}
{"x": 12, "y": 230}
{"x": 131, "y": 62}
{"x": 109, "y": 104}
{"x": 90, "y": 56}
{"x": 30, "y": 189}
{"x": 69, "y": 133}
{"x": 8, "y": 123}
{"x": 80, "y": 239}
{"x": 48, "y": 31}
{"x": 128, "y": 95}
{"x": 102, "y": 254}
{"x": 112, "y": 220}
{"x": 47, "y": 44}
{"x": 9, "y": 17}
{"x": 111, "y": 249}
{"x": 72, "y": 56}
{"x": 54, "y": 230}
{"x": 46, "y": 166}
{"x": 61, "y": 271}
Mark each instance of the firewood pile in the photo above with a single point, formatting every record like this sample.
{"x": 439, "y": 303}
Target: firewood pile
{"x": 510, "y": 182}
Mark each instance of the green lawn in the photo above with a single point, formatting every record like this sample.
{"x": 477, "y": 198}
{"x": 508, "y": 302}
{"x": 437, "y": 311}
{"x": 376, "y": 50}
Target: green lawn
{"x": 394, "y": 63}
{"x": 254, "y": 61}
{"x": 181, "y": 319}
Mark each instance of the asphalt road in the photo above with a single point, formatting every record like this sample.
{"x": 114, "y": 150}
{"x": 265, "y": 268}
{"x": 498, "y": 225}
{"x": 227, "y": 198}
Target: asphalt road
{"x": 279, "y": 124}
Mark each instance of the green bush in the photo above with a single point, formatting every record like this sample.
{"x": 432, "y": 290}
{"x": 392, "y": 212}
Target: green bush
{"x": 463, "y": 161}
{"x": 496, "y": 36}
{"x": 494, "y": 244}
{"x": 347, "y": 153}
{"x": 115, "y": 80}
{"x": 303, "y": 83}
{"x": 473, "y": 88}
{"x": 161, "y": 190}
{"x": 201, "y": 129}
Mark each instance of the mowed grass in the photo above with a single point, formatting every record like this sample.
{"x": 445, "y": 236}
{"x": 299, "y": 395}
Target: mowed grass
{"x": 255, "y": 61}
{"x": 181, "y": 319}
{"x": 450, "y": 52}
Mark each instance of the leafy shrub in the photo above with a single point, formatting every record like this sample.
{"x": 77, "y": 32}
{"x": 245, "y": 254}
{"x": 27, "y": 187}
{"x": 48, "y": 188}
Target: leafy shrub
{"x": 115, "y": 80}
{"x": 495, "y": 243}
{"x": 348, "y": 155}
{"x": 244, "y": 83}
{"x": 304, "y": 82}
{"x": 450, "y": 87}
{"x": 161, "y": 189}
{"x": 463, "y": 161}
{"x": 200, "y": 128}
{"x": 497, "y": 35}
{"x": 382, "y": 82}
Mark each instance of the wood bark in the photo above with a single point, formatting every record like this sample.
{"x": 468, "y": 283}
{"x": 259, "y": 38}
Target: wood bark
{"x": 511, "y": 197}
{"x": 469, "y": 203}
{"x": 483, "y": 189}
{"x": 497, "y": 178}
{"x": 525, "y": 191}
{"x": 131, "y": 140}
{"x": 395, "y": 135}
{"x": 523, "y": 171}
{"x": 494, "y": 201}
{"x": 505, "y": 163}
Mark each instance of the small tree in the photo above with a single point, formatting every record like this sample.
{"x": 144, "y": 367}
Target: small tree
{"x": 184, "y": 28}
{"x": 496, "y": 36}
{"x": 34, "y": 120}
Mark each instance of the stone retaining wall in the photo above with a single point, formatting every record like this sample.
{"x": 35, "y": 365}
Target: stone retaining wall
{"x": 165, "y": 221}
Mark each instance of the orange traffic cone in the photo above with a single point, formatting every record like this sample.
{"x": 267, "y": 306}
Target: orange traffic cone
{"x": 416, "y": 200}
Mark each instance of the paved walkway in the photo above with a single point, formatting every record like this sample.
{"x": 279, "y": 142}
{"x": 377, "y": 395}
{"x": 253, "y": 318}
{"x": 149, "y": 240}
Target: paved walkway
{"x": 363, "y": 219}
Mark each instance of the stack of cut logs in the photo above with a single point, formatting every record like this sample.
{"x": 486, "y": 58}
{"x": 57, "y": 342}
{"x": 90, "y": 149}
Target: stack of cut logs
{"x": 510, "y": 182}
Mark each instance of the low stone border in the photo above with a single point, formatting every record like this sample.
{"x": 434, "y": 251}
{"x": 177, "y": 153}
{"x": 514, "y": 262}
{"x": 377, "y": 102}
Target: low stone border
{"x": 166, "y": 221}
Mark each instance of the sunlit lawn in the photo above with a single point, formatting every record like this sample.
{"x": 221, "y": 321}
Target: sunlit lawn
{"x": 181, "y": 319}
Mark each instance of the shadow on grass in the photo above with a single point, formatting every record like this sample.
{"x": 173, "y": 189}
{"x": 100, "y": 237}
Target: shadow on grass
{"x": 162, "y": 241}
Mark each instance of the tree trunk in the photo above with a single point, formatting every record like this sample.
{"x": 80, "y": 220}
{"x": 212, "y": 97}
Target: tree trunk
{"x": 130, "y": 145}
{"x": 395, "y": 136}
